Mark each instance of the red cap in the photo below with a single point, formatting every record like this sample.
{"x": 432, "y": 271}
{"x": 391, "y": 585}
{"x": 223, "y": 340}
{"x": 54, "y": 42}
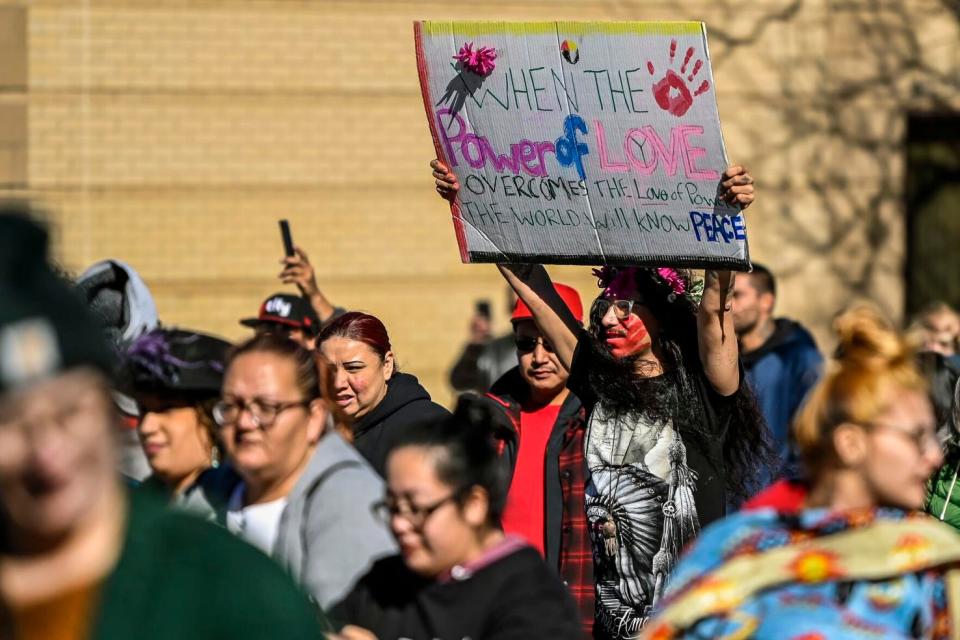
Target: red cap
{"x": 569, "y": 296}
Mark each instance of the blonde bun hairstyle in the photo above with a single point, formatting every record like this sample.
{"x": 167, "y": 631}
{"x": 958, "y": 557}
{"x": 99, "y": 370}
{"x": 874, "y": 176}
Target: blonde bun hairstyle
{"x": 872, "y": 362}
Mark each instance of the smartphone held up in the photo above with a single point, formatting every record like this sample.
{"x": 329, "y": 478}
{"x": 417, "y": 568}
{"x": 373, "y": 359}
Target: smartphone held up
{"x": 287, "y": 238}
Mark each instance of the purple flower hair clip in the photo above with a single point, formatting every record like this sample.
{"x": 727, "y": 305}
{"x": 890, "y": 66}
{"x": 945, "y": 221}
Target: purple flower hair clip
{"x": 152, "y": 354}
{"x": 481, "y": 62}
{"x": 604, "y": 275}
{"x": 619, "y": 282}
{"x": 616, "y": 282}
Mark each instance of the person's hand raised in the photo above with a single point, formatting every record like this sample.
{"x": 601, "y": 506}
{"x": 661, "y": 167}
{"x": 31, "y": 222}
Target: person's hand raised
{"x": 447, "y": 183}
{"x": 736, "y": 186}
{"x": 297, "y": 270}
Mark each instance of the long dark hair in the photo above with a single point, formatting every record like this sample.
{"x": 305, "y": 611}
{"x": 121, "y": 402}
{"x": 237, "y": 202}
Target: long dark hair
{"x": 747, "y": 449}
{"x": 468, "y": 456}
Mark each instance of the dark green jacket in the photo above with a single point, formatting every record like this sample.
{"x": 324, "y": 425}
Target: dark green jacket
{"x": 944, "y": 500}
{"x": 179, "y": 577}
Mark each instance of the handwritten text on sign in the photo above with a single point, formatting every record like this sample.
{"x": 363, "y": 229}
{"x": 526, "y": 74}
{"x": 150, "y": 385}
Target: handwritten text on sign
{"x": 586, "y": 143}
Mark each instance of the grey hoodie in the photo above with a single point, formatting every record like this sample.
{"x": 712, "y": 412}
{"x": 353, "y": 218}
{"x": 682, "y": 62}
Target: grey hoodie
{"x": 119, "y": 298}
{"x": 329, "y": 536}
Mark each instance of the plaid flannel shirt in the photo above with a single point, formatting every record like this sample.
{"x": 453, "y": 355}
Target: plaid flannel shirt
{"x": 576, "y": 553}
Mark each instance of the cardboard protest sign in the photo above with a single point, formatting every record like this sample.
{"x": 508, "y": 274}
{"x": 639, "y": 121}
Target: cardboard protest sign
{"x": 581, "y": 142}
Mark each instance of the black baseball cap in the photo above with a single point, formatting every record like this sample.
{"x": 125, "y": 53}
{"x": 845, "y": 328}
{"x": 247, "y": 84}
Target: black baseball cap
{"x": 288, "y": 310}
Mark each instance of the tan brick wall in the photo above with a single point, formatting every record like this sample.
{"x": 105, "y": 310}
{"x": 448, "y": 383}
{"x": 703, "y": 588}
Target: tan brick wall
{"x": 13, "y": 99}
{"x": 173, "y": 134}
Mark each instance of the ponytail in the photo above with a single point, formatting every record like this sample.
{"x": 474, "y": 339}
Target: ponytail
{"x": 871, "y": 363}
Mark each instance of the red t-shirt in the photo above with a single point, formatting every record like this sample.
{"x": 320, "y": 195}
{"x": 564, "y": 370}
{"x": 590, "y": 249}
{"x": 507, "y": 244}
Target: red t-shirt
{"x": 524, "y": 512}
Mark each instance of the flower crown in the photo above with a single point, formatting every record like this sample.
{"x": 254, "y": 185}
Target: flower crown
{"x": 618, "y": 282}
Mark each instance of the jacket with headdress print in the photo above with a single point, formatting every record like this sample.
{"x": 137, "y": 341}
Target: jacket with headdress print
{"x": 566, "y": 537}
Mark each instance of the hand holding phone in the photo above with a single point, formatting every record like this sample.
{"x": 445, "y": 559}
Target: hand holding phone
{"x": 297, "y": 269}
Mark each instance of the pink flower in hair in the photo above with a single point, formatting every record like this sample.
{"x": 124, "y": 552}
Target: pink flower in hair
{"x": 617, "y": 283}
{"x": 481, "y": 61}
{"x": 674, "y": 279}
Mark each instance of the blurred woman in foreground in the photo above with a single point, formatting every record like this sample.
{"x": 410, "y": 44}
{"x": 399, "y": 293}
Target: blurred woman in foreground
{"x": 457, "y": 575}
{"x": 856, "y": 558}
{"x": 81, "y": 557}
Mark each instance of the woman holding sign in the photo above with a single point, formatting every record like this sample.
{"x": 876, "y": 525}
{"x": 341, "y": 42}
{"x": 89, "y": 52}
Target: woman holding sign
{"x": 673, "y": 433}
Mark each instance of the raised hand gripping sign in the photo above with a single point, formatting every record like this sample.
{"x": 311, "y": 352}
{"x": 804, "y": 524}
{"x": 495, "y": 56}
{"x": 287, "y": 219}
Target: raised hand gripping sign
{"x": 581, "y": 142}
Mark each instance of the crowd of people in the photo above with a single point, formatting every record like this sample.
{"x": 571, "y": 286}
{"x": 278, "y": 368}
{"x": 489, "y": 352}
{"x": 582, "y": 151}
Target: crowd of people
{"x": 670, "y": 461}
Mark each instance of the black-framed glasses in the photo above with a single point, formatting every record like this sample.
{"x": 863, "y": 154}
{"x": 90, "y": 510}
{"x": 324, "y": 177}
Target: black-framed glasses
{"x": 526, "y": 344}
{"x": 416, "y": 515}
{"x": 262, "y": 413}
{"x": 621, "y": 308}
{"x": 923, "y": 439}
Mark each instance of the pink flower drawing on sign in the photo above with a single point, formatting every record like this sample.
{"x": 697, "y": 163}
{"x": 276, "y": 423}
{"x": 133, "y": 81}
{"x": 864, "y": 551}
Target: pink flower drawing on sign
{"x": 672, "y": 92}
{"x": 481, "y": 61}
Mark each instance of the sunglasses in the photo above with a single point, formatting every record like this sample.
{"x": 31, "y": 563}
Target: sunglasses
{"x": 527, "y": 345}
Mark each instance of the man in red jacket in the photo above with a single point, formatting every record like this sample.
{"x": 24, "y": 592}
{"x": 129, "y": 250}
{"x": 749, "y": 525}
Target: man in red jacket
{"x": 541, "y": 438}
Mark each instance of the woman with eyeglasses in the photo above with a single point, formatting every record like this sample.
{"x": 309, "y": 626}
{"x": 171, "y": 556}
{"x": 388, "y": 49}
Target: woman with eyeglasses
{"x": 368, "y": 388}
{"x": 858, "y": 559}
{"x": 457, "y": 575}
{"x": 175, "y": 378}
{"x": 306, "y": 495}
{"x": 673, "y": 434}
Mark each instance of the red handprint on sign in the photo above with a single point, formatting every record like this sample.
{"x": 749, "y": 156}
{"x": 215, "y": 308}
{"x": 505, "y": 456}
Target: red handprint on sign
{"x": 671, "y": 92}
